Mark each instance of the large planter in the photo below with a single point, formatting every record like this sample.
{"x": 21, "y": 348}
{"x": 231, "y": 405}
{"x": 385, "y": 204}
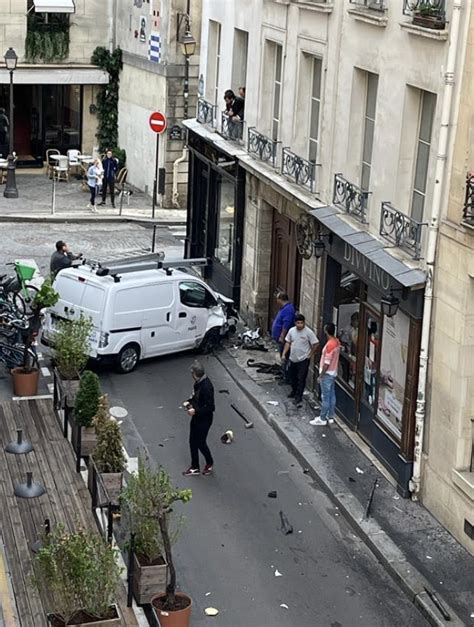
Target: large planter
{"x": 106, "y": 486}
{"x": 88, "y": 438}
{"x": 176, "y": 618}
{"x": 67, "y": 389}
{"x": 435, "y": 22}
{"x": 148, "y": 580}
{"x": 25, "y": 382}
{"x": 114, "y": 621}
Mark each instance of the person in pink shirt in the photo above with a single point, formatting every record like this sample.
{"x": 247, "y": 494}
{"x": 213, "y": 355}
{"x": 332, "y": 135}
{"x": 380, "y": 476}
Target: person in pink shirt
{"x": 327, "y": 377}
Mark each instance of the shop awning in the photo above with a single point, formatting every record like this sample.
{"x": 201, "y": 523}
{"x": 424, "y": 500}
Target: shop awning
{"x": 361, "y": 249}
{"x": 54, "y": 6}
{"x": 44, "y": 75}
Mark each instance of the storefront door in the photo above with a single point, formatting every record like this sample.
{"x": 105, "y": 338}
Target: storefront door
{"x": 286, "y": 263}
{"x": 367, "y": 370}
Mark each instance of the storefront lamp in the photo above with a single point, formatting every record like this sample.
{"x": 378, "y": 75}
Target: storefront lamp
{"x": 389, "y": 305}
{"x": 319, "y": 246}
{"x": 11, "y": 59}
{"x": 188, "y": 44}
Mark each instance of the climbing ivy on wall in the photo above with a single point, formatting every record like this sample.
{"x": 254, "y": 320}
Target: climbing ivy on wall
{"x": 107, "y": 100}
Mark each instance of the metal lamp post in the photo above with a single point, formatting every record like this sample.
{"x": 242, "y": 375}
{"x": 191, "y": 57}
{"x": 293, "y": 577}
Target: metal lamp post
{"x": 11, "y": 191}
{"x": 188, "y": 47}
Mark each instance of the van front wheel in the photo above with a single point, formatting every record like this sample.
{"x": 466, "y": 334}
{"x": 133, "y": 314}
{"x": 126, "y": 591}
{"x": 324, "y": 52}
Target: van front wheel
{"x": 127, "y": 359}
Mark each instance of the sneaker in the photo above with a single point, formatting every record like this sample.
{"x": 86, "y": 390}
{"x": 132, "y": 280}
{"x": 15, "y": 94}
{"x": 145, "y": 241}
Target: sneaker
{"x": 191, "y": 472}
{"x": 331, "y": 421}
{"x": 101, "y": 203}
{"x": 292, "y": 395}
{"x": 207, "y": 469}
{"x": 93, "y": 209}
{"x": 298, "y": 402}
{"x": 317, "y": 422}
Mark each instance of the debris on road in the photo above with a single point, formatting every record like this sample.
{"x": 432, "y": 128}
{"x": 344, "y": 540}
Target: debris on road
{"x": 248, "y": 423}
{"x": 284, "y": 605}
{"x": 207, "y": 594}
{"x": 211, "y": 611}
{"x": 352, "y": 480}
{"x": 286, "y": 527}
{"x": 272, "y": 494}
{"x": 227, "y": 437}
{"x": 306, "y": 471}
{"x": 359, "y": 470}
{"x": 274, "y": 403}
{"x": 278, "y": 573}
{"x": 225, "y": 391}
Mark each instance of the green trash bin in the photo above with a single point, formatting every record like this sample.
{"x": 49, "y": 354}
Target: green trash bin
{"x": 25, "y": 272}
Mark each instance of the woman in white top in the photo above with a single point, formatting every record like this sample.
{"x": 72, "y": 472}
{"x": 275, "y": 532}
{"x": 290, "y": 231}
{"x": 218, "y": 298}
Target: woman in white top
{"x": 93, "y": 178}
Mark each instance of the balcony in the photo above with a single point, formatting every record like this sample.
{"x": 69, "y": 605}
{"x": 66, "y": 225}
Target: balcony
{"x": 261, "y": 146}
{"x": 401, "y": 230}
{"x": 231, "y": 128}
{"x": 47, "y": 37}
{"x": 299, "y": 170}
{"x": 430, "y": 14}
{"x": 350, "y": 198}
{"x": 468, "y": 210}
{"x": 205, "y": 112}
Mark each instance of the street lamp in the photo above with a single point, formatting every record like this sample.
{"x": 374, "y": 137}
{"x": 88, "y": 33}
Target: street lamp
{"x": 188, "y": 48}
{"x": 11, "y": 191}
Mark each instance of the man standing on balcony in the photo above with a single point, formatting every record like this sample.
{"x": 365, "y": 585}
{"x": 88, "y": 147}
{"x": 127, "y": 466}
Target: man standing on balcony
{"x": 110, "y": 165}
{"x": 234, "y": 106}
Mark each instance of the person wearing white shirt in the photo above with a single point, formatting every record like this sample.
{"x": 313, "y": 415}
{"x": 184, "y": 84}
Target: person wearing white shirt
{"x": 302, "y": 343}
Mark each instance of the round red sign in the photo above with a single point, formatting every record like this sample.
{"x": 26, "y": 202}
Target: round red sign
{"x": 157, "y": 122}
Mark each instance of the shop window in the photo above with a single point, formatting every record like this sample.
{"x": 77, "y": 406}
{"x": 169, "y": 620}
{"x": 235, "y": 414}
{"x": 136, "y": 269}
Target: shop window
{"x": 371, "y": 357}
{"x": 393, "y": 370}
{"x": 346, "y": 318}
{"x": 224, "y": 251}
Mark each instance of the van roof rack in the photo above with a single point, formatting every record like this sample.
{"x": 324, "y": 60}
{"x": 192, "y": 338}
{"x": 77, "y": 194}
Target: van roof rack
{"x": 152, "y": 261}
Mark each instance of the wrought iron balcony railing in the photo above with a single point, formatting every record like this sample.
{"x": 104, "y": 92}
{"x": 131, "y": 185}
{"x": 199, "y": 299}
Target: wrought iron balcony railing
{"x": 376, "y": 5}
{"x": 350, "y": 198}
{"x": 232, "y": 129}
{"x": 299, "y": 170}
{"x": 468, "y": 210}
{"x": 261, "y": 146}
{"x": 401, "y": 230}
{"x": 205, "y": 111}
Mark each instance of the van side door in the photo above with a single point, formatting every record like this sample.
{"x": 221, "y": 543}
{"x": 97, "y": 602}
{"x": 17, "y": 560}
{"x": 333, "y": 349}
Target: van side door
{"x": 159, "y": 334}
{"x": 195, "y": 300}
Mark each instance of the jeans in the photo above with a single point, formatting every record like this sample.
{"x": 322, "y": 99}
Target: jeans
{"x": 92, "y": 190}
{"x": 298, "y": 374}
{"x": 197, "y": 440}
{"x": 327, "y": 383}
{"x": 111, "y": 185}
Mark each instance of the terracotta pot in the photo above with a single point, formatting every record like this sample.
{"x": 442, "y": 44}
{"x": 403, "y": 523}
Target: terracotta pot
{"x": 148, "y": 580}
{"x": 25, "y": 383}
{"x": 179, "y": 618}
{"x": 107, "y": 622}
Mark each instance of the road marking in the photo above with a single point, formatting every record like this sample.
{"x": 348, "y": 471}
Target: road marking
{"x": 45, "y": 371}
{"x": 118, "y": 412}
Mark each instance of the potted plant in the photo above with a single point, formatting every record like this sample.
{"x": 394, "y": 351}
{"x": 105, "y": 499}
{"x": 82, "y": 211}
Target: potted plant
{"x": 171, "y": 608}
{"x": 85, "y": 408}
{"x": 71, "y": 353}
{"x": 25, "y": 378}
{"x": 79, "y": 572}
{"x": 428, "y": 15}
{"x": 108, "y": 459}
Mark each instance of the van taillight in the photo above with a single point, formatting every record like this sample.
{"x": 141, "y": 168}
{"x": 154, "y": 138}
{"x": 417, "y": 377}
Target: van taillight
{"x": 81, "y": 279}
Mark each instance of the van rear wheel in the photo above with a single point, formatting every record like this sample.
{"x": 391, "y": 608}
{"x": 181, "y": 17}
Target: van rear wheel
{"x": 127, "y": 359}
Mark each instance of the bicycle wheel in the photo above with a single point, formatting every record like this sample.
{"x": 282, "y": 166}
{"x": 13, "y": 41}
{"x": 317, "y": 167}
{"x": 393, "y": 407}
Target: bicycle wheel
{"x": 12, "y": 357}
{"x": 17, "y": 302}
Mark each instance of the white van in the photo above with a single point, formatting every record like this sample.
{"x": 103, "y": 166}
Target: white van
{"x": 138, "y": 310}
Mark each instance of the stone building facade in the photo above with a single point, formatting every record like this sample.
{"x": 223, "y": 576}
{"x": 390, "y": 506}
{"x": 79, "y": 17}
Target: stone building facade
{"x": 152, "y": 79}
{"x": 328, "y": 187}
{"x": 448, "y": 479}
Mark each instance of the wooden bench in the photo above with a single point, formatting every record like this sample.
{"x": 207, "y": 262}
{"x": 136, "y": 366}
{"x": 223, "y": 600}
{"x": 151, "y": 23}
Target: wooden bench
{"x": 66, "y": 501}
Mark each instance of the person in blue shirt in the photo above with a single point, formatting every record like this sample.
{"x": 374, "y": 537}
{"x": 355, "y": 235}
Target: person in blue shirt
{"x": 284, "y": 321}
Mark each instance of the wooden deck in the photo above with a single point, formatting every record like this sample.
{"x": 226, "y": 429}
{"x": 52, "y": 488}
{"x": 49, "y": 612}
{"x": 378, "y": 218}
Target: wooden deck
{"x": 67, "y": 500}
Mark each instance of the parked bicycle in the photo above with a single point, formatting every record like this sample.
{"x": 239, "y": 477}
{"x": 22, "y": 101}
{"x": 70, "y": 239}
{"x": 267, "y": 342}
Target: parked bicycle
{"x": 17, "y": 289}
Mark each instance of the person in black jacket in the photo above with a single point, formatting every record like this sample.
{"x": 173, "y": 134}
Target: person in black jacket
{"x": 201, "y": 409}
{"x": 110, "y": 165}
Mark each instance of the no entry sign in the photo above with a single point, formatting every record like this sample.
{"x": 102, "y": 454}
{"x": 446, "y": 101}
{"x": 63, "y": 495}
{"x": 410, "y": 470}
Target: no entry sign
{"x": 157, "y": 122}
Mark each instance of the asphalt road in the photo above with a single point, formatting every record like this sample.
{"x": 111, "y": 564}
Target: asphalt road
{"x": 231, "y": 545}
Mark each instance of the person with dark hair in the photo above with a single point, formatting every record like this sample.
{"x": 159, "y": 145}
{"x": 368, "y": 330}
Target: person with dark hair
{"x": 242, "y": 92}
{"x": 327, "y": 377}
{"x": 201, "y": 408}
{"x": 110, "y": 166}
{"x": 284, "y": 320}
{"x": 234, "y": 105}
{"x": 302, "y": 343}
{"x": 62, "y": 258}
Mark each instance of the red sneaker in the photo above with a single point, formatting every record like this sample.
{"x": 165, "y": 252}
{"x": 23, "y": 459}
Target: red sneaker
{"x": 191, "y": 472}
{"x": 207, "y": 470}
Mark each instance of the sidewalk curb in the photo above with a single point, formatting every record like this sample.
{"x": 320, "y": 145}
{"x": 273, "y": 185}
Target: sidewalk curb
{"x": 88, "y": 219}
{"x": 411, "y": 581}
